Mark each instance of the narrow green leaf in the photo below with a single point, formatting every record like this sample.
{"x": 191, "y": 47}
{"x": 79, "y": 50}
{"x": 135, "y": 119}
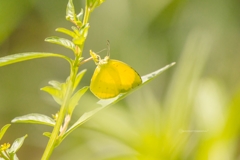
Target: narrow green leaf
{"x": 62, "y": 41}
{"x": 70, "y": 11}
{"x": 80, "y": 16}
{"x": 55, "y": 84}
{"x": 52, "y": 91}
{"x": 76, "y": 97}
{"x": 35, "y": 118}
{"x": 76, "y": 31}
{"x": 55, "y": 93}
{"x": 79, "y": 40}
{"x": 79, "y": 78}
{"x": 27, "y": 56}
{"x": 66, "y": 31}
{"x": 84, "y": 30}
{"x": 147, "y": 78}
{"x": 3, "y": 130}
{"x": 47, "y": 134}
{"x": 17, "y": 145}
{"x": 105, "y": 103}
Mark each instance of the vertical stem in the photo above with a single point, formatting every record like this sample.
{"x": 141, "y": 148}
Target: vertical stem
{"x": 51, "y": 143}
{"x": 86, "y": 15}
{"x": 74, "y": 69}
{"x": 85, "y": 21}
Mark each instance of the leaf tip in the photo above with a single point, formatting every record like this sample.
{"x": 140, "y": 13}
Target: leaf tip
{"x": 13, "y": 120}
{"x": 47, "y": 39}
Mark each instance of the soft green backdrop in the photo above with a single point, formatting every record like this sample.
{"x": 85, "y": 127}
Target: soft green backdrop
{"x": 202, "y": 36}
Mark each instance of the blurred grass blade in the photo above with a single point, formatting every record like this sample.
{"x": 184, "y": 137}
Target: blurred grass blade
{"x": 3, "y": 130}
{"x": 17, "y": 145}
{"x": 105, "y": 103}
{"x": 27, "y": 56}
{"x": 182, "y": 88}
{"x": 35, "y": 118}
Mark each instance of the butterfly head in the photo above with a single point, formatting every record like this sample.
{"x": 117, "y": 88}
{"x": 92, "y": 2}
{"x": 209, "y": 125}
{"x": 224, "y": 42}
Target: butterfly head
{"x": 98, "y": 60}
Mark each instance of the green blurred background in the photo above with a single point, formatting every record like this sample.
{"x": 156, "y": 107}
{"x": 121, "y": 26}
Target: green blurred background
{"x": 188, "y": 112}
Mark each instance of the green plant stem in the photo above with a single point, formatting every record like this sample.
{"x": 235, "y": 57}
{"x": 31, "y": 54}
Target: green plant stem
{"x": 85, "y": 21}
{"x": 5, "y": 155}
{"x": 62, "y": 113}
{"x": 52, "y": 141}
{"x": 86, "y": 15}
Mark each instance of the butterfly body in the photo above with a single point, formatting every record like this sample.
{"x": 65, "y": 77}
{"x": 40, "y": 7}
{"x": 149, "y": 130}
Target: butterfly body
{"x": 112, "y": 77}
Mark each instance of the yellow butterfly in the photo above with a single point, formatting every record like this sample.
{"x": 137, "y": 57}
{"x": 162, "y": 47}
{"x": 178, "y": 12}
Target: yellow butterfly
{"x": 112, "y": 77}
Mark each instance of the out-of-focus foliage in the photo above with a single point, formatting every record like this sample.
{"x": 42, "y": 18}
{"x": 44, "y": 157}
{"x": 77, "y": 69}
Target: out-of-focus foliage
{"x": 8, "y": 151}
{"x": 189, "y": 112}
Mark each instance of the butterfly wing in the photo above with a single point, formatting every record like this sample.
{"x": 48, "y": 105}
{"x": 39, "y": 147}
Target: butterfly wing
{"x": 113, "y": 78}
{"x": 105, "y": 82}
{"x": 128, "y": 76}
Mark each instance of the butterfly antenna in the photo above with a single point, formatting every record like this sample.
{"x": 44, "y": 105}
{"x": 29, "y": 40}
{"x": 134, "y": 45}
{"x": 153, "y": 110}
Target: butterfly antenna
{"x": 101, "y": 50}
{"x": 108, "y": 48}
